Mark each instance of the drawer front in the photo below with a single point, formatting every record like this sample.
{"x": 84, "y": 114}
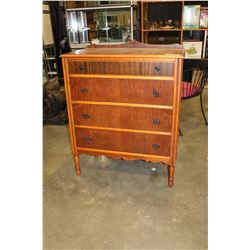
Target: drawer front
{"x": 123, "y": 141}
{"x": 121, "y": 68}
{"x": 156, "y": 92}
{"x": 123, "y": 117}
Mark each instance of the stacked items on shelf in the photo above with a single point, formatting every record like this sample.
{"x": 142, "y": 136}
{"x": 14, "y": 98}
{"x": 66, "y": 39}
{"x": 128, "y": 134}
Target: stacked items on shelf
{"x": 204, "y": 17}
{"x": 204, "y": 24}
{"x": 195, "y": 19}
{"x": 163, "y": 25}
{"x": 191, "y": 17}
{"x": 161, "y": 22}
{"x": 77, "y": 27}
{"x": 205, "y": 46}
{"x": 183, "y": 22}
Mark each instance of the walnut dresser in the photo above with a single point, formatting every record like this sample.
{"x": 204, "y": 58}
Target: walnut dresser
{"x": 123, "y": 102}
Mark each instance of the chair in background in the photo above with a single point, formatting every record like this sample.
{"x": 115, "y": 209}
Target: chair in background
{"x": 193, "y": 83}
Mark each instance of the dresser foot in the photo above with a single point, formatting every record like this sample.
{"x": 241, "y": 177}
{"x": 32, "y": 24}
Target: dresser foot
{"x": 170, "y": 176}
{"x": 77, "y": 165}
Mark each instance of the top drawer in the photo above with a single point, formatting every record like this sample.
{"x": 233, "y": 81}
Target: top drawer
{"x": 122, "y": 68}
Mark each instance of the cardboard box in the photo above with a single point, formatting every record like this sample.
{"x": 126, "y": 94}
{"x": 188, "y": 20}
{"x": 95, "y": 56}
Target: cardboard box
{"x": 193, "y": 49}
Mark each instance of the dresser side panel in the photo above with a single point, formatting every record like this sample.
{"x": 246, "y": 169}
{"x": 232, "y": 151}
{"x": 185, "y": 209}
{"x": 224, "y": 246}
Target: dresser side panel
{"x": 178, "y": 102}
{"x": 176, "y": 109}
{"x": 69, "y": 106}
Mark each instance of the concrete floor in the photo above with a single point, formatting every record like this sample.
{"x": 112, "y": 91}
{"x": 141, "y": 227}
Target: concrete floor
{"x": 118, "y": 204}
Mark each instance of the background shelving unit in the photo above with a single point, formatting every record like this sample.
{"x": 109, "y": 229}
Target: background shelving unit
{"x": 106, "y": 21}
{"x": 161, "y": 22}
{"x": 154, "y": 25}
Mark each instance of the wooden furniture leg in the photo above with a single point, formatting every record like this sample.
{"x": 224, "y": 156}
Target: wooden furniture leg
{"x": 170, "y": 175}
{"x": 77, "y": 165}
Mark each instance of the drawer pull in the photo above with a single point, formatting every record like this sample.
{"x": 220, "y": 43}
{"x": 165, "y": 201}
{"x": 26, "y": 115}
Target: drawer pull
{"x": 156, "y": 121}
{"x": 155, "y": 146}
{"x": 81, "y": 67}
{"x": 157, "y": 68}
{"x": 88, "y": 139}
{"x": 84, "y": 90}
{"x": 156, "y": 93}
{"x": 85, "y": 116}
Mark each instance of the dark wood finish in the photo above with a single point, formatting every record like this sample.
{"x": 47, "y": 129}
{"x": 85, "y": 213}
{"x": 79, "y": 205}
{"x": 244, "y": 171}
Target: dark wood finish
{"x": 123, "y": 141}
{"x": 121, "y": 68}
{"x": 122, "y": 90}
{"x": 119, "y": 107}
{"x": 123, "y": 117}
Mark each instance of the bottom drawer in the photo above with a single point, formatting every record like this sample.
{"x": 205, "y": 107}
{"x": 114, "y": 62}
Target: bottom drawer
{"x": 123, "y": 141}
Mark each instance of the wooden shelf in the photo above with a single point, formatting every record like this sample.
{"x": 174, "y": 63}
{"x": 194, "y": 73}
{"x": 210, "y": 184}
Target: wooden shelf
{"x": 148, "y": 30}
{"x": 204, "y": 29}
{"x": 205, "y": 59}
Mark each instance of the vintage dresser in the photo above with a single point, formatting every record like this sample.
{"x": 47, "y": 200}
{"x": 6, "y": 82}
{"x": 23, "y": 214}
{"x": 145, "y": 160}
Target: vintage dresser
{"x": 123, "y": 102}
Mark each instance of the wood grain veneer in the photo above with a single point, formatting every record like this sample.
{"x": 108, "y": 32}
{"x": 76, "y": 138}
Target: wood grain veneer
{"x": 121, "y": 68}
{"x": 123, "y": 117}
{"x": 122, "y": 90}
{"x": 123, "y": 141}
{"x": 123, "y": 102}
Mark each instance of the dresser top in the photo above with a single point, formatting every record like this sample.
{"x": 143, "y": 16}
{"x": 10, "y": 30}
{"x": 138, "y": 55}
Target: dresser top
{"x": 125, "y": 52}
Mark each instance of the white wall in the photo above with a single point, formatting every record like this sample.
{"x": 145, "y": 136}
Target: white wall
{"x": 47, "y": 27}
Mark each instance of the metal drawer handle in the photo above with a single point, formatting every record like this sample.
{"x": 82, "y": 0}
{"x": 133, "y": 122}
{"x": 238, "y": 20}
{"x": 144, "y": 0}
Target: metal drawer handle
{"x": 156, "y": 121}
{"x": 155, "y": 146}
{"x": 88, "y": 139}
{"x": 157, "y": 68}
{"x": 81, "y": 67}
{"x": 84, "y": 90}
{"x": 156, "y": 93}
{"x": 85, "y": 116}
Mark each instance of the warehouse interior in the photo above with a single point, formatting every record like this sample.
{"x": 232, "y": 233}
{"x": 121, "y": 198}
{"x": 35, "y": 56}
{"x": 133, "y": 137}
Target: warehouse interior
{"x": 119, "y": 204}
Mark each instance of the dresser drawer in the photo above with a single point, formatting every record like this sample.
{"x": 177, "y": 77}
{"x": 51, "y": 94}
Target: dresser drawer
{"x": 123, "y": 141}
{"x": 121, "y": 68}
{"x": 123, "y": 117}
{"x": 158, "y": 92}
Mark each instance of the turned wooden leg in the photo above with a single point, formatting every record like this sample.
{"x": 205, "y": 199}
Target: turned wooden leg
{"x": 77, "y": 165}
{"x": 170, "y": 176}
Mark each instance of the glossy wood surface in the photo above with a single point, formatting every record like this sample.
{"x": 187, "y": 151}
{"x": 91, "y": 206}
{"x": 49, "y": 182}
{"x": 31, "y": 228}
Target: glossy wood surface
{"x": 124, "y": 103}
{"x": 121, "y": 68}
{"x": 123, "y": 117}
{"x": 161, "y": 51}
{"x": 122, "y": 90}
{"x": 123, "y": 141}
